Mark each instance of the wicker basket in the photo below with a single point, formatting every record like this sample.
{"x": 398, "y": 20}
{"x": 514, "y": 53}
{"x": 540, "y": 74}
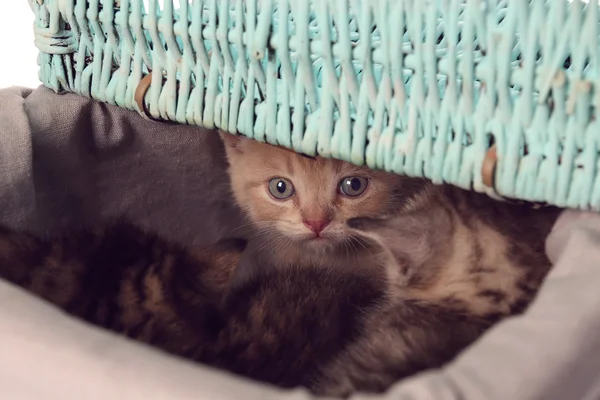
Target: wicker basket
{"x": 493, "y": 96}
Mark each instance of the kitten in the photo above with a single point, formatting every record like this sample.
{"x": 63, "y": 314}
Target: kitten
{"x": 444, "y": 270}
{"x": 299, "y": 205}
{"x": 278, "y": 329}
{"x": 456, "y": 262}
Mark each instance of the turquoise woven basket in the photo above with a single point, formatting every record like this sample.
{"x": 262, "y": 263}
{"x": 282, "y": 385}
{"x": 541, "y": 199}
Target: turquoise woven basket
{"x": 494, "y": 96}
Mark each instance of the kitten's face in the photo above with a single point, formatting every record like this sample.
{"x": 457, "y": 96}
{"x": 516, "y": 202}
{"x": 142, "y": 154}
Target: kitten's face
{"x": 305, "y": 201}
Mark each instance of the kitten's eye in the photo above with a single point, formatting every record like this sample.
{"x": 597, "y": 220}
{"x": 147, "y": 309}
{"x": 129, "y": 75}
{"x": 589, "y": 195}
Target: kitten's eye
{"x": 281, "y": 188}
{"x": 353, "y": 185}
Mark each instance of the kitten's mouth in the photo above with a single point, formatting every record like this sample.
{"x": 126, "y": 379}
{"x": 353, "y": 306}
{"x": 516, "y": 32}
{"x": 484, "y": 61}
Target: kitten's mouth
{"x": 312, "y": 239}
{"x": 318, "y": 239}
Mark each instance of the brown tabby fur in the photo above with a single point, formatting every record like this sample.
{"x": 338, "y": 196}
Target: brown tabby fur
{"x": 448, "y": 266}
{"x": 456, "y": 263}
{"x": 278, "y": 329}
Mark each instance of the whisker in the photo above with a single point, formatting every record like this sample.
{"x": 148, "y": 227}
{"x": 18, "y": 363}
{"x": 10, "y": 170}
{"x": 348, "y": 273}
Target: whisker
{"x": 242, "y": 226}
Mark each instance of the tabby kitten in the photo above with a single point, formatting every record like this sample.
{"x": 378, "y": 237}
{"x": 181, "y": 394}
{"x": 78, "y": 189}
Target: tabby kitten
{"x": 278, "y": 329}
{"x": 456, "y": 263}
{"x": 299, "y": 205}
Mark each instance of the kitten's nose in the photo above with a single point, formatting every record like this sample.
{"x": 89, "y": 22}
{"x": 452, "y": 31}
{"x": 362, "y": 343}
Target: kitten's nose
{"x": 316, "y": 226}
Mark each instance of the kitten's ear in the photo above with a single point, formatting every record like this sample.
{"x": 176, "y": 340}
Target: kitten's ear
{"x": 233, "y": 143}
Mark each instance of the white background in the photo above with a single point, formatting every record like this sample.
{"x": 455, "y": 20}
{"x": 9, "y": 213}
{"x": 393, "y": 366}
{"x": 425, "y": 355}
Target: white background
{"x": 18, "y": 54}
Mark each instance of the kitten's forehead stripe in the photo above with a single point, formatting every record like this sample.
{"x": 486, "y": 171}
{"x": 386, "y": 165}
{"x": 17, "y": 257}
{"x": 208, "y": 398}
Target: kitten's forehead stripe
{"x": 337, "y": 167}
{"x": 290, "y": 165}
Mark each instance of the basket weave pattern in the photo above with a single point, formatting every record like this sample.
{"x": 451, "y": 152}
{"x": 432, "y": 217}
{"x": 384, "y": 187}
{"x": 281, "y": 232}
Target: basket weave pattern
{"x": 417, "y": 87}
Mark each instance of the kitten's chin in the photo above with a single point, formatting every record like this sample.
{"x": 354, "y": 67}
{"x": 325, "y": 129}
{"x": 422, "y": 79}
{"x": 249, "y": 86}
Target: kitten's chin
{"x": 319, "y": 241}
{"x": 321, "y": 244}
{"x": 327, "y": 242}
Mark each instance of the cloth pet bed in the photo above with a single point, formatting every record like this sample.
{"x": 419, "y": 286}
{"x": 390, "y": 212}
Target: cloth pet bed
{"x": 65, "y": 160}
{"x": 493, "y": 96}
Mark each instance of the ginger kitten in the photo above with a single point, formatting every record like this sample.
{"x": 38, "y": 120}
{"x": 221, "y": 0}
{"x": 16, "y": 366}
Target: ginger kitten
{"x": 299, "y": 205}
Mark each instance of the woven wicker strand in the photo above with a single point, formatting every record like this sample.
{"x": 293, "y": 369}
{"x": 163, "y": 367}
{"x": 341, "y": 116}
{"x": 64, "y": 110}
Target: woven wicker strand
{"x": 417, "y": 87}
